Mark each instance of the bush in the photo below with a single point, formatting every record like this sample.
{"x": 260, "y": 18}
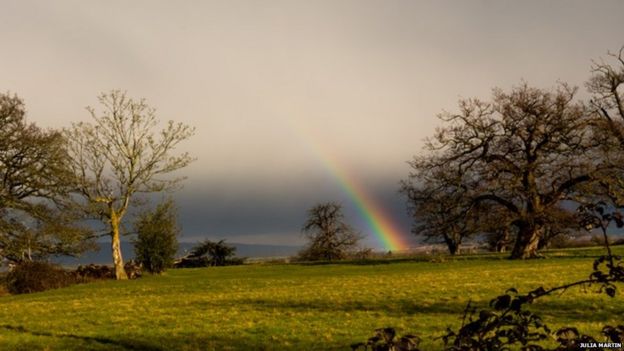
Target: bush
{"x": 94, "y": 272}
{"x": 210, "y": 253}
{"x": 134, "y": 270}
{"x": 385, "y": 339}
{"x": 214, "y": 253}
{"x": 191, "y": 262}
{"x": 101, "y": 272}
{"x": 156, "y": 243}
{"x": 29, "y": 277}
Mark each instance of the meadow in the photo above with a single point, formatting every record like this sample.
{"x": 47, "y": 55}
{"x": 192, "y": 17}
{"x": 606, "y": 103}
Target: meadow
{"x": 296, "y": 306}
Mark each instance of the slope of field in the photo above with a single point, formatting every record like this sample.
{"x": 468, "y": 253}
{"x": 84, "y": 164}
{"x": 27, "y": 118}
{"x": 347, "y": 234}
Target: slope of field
{"x": 293, "y": 307}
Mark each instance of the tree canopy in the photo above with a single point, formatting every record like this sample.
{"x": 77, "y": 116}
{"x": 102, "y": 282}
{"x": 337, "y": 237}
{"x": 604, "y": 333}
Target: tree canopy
{"x": 156, "y": 237}
{"x": 329, "y": 237}
{"x": 212, "y": 253}
{"x": 36, "y": 221}
{"x": 524, "y": 153}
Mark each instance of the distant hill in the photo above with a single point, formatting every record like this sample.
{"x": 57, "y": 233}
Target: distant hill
{"x": 103, "y": 255}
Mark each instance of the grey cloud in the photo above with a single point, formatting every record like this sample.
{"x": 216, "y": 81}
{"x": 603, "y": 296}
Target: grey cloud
{"x": 268, "y": 84}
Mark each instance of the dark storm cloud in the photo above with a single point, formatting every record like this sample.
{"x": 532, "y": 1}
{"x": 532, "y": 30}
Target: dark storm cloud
{"x": 276, "y": 213}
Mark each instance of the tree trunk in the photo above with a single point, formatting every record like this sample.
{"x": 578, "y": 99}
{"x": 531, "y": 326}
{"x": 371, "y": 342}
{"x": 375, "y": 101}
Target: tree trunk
{"x": 452, "y": 246}
{"x": 120, "y": 272}
{"x": 526, "y": 243}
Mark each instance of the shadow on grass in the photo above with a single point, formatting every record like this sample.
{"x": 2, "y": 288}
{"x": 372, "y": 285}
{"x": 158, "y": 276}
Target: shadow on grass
{"x": 128, "y": 345}
{"x": 392, "y": 308}
{"x": 168, "y": 342}
{"x": 559, "y": 309}
{"x": 579, "y": 311}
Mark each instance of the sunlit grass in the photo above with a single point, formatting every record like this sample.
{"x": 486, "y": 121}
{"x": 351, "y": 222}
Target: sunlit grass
{"x": 291, "y": 307}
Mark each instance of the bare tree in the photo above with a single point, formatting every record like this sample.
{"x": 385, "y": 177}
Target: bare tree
{"x": 120, "y": 154}
{"x": 606, "y": 85}
{"x": 329, "y": 237}
{"x": 439, "y": 208}
{"x": 525, "y": 153}
{"x": 35, "y": 219}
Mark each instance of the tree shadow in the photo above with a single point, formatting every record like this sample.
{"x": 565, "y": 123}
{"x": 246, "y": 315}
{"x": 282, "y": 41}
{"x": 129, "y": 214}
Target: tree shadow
{"x": 126, "y": 344}
{"x": 567, "y": 310}
{"x": 400, "y": 307}
{"x": 209, "y": 342}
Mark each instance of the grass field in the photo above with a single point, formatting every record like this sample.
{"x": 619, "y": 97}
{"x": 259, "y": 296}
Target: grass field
{"x": 294, "y": 307}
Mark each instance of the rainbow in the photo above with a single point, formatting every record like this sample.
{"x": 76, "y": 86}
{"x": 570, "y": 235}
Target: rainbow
{"x": 378, "y": 221}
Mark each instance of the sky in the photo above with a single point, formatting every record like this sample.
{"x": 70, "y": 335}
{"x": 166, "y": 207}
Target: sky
{"x": 293, "y": 100}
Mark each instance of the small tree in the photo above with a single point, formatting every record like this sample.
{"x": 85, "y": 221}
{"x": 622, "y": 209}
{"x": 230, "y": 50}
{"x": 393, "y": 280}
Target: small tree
{"x": 122, "y": 154}
{"x": 210, "y": 253}
{"x": 156, "y": 243}
{"x": 329, "y": 237}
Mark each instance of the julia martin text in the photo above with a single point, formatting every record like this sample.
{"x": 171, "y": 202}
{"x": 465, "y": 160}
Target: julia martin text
{"x": 603, "y": 345}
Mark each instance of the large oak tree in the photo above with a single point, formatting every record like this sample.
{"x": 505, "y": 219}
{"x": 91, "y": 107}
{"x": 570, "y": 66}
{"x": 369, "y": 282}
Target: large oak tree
{"x": 524, "y": 153}
{"x": 606, "y": 85}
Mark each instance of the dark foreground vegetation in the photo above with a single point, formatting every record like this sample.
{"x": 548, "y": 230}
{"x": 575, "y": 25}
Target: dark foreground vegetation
{"x": 30, "y": 277}
{"x": 509, "y": 323}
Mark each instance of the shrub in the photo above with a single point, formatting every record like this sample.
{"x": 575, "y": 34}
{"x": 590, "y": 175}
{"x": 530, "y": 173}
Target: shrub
{"x": 156, "y": 243}
{"x": 133, "y": 269}
{"x": 94, "y": 272}
{"x": 210, "y": 253}
{"x": 29, "y": 277}
{"x": 216, "y": 253}
{"x": 100, "y": 272}
{"x": 191, "y": 262}
{"x": 385, "y": 339}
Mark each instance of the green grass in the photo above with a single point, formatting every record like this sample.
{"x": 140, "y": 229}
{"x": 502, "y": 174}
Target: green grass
{"x": 294, "y": 307}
